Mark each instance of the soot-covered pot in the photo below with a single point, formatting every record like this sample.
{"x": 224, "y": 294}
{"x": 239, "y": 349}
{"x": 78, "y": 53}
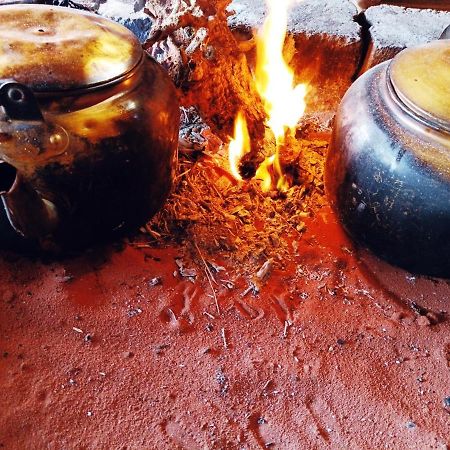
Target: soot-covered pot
{"x": 388, "y": 169}
{"x": 88, "y": 129}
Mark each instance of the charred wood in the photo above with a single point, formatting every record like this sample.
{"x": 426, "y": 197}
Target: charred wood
{"x": 192, "y": 40}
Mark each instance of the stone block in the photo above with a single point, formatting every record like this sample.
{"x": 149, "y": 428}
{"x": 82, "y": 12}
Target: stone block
{"x": 326, "y": 39}
{"x": 422, "y": 4}
{"x": 394, "y": 28}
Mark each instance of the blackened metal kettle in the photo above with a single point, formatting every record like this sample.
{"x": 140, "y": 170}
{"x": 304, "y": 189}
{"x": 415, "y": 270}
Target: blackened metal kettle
{"x": 88, "y": 129}
{"x": 388, "y": 168}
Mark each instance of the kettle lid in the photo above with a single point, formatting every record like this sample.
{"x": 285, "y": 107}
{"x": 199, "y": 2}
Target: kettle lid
{"x": 420, "y": 77}
{"x": 52, "y": 48}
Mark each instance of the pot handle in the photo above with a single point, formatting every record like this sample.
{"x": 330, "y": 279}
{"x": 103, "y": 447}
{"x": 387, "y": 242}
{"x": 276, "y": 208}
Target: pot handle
{"x": 19, "y": 102}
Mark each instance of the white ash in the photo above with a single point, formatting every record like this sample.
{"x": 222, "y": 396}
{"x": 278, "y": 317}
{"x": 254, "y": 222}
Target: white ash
{"x": 130, "y": 14}
{"x": 191, "y": 128}
{"x": 168, "y": 55}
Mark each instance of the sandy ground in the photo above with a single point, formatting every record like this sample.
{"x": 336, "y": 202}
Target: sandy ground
{"x": 330, "y": 354}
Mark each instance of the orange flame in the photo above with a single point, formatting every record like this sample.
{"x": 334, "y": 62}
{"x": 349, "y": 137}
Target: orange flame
{"x": 284, "y": 102}
{"x": 239, "y": 145}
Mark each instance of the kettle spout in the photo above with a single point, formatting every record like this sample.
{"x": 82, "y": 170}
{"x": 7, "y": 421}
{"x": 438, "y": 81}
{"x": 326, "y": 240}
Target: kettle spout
{"x": 30, "y": 215}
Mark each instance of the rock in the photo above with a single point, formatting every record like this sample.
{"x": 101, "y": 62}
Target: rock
{"x": 394, "y": 28}
{"x": 326, "y": 44}
{"x": 130, "y": 14}
{"x": 423, "y": 321}
{"x": 446, "y": 402}
{"x": 424, "y": 4}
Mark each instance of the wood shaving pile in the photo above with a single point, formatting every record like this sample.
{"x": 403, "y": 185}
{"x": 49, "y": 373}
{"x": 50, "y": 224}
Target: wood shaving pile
{"x": 235, "y": 221}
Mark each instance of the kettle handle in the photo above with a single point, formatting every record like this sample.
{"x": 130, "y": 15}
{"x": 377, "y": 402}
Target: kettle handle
{"x": 19, "y": 102}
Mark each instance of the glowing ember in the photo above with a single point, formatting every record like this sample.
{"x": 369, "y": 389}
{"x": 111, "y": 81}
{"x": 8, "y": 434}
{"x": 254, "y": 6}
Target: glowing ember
{"x": 239, "y": 146}
{"x": 283, "y": 101}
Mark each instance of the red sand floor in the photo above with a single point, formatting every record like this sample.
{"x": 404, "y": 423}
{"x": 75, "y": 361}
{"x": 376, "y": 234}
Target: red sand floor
{"x": 329, "y": 355}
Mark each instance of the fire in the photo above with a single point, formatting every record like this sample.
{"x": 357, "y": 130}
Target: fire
{"x": 239, "y": 145}
{"x": 284, "y": 102}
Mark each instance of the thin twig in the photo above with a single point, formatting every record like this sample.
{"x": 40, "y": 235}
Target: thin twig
{"x": 208, "y": 315}
{"x": 224, "y": 338}
{"x": 209, "y": 277}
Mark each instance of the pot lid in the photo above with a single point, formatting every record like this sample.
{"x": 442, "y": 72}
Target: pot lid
{"x": 51, "y": 48}
{"x": 420, "y": 77}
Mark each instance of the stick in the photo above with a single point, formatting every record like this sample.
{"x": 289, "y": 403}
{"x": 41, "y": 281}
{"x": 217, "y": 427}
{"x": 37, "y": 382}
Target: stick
{"x": 224, "y": 338}
{"x": 208, "y": 275}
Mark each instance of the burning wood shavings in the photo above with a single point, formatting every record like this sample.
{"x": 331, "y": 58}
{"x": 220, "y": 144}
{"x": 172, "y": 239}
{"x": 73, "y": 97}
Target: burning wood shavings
{"x": 234, "y": 221}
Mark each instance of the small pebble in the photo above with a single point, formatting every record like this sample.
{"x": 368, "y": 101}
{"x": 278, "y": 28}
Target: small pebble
{"x": 126, "y": 355}
{"x": 423, "y": 321}
{"x": 397, "y": 316}
{"x": 156, "y": 281}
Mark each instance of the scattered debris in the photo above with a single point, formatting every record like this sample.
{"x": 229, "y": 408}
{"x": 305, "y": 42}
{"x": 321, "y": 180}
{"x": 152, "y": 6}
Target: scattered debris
{"x": 215, "y": 268}
{"x": 77, "y": 330}
{"x": 223, "y": 381}
{"x": 191, "y": 274}
{"x": 208, "y": 315}
{"x": 287, "y": 325}
{"x": 156, "y": 281}
{"x": 423, "y": 321}
{"x": 134, "y": 312}
{"x": 265, "y": 270}
{"x": 210, "y": 278}
{"x": 266, "y": 385}
{"x": 447, "y": 402}
{"x": 253, "y": 288}
{"x": 224, "y": 338}
{"x": 160, "y": 348}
